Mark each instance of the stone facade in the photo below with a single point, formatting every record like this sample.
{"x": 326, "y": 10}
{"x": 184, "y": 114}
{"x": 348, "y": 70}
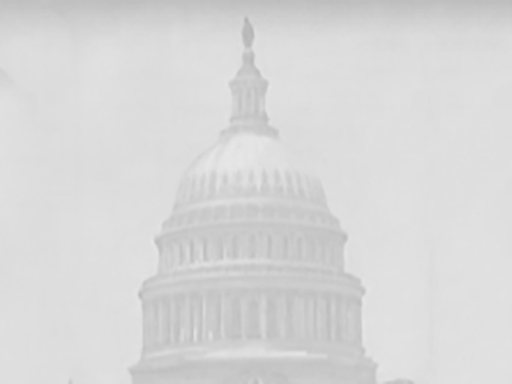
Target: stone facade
{"x": 251, "y": 285}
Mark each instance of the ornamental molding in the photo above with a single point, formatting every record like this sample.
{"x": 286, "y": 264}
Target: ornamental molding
{"x": 250, "y": 213}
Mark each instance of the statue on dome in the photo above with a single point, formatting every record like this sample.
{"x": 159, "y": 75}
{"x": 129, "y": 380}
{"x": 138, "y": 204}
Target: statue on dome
{"x": 248, "y": 33}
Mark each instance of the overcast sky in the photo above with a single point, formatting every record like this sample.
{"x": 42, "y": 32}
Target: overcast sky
{"x": 404, "y": 112}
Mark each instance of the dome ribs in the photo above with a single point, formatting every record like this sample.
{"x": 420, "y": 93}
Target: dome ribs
{"x": 265, "y": 184}
{"x": 278, "y": 186}
{"x": 212, "y": 184}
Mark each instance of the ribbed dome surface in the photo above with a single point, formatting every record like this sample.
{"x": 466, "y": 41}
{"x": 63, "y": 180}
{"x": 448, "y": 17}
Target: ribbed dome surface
{"x": 246, "y": 164}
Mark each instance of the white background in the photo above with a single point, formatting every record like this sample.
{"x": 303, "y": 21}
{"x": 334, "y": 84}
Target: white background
{"x": 404, "y": 112}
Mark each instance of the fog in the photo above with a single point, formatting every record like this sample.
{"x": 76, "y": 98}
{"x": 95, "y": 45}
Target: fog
{"x": 404, "y": 113}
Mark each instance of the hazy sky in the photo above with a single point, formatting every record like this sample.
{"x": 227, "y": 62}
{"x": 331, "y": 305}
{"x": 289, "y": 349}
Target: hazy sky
{"x": 404, "y": 112}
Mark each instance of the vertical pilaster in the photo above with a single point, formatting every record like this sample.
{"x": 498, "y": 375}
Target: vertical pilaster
{"x": 333, "y": 318}
{"x": 164, "y": 321}
{"x": 223, "y": 315}
{"x": 263, "y": 315}
{"x": 185, "y": 320}
{"x": 299, "y": 316}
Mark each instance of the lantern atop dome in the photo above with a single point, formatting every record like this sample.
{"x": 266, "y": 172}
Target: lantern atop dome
{"x": 248, "y": 90}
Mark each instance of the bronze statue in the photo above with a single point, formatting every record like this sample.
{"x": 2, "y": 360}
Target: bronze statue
{"x": 248, "y": 33}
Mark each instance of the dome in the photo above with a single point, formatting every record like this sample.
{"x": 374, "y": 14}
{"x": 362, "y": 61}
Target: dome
{"x": 248, "y": 164}
{"x": 251, "y": 260}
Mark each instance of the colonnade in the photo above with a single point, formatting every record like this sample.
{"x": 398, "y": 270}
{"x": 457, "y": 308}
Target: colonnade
{"x": 249, "y": 102}
{"x": 201, "y": 317}
{"x": 251, "y": 245}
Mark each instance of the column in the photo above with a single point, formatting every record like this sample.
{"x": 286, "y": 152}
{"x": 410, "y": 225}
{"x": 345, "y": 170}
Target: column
{"x": 236, "y": 317}
{"x": 261, "y": 251}
{"x": 269, "y": 251}
{"x": 222, "y": 316}
{"x": 178, "y": 326}
{"x": 314, "y": 314}
{"x": 271, "y": 316}
{"x": 299, "y": 316}
{"x": 281, "y": 317}
{"x": 199, "y": 319}
{"x": 219, "y": 249}
{"x": 193, "y": 318}
{"x": 300, "y": 248}
{"x": 321, "y": 317}
{"x": 310, "y": 317}
{"x": 285, "y": 253}
{"x": 182, "y": 257}
{"x": 252, "y": 246}
{"x": 333, "y": 318}
{"x": 172, "y": 256}
{"x": 170, "y": 303}
{"x": 307, "y": 320}
{"x": 277, "y": 250}
{"x": 204, "y": 318}
{"x": 185, "y": 320}
{"x": 345, "y": 319}
{"x": 351, "y": 321}
{"x": 218, "y": 319}
{"x": 164, "y": 321}
{"x": 263, "y": 315}
{"x": 290, "y": 328}
{"x": 254, "y": 101}
{"x": 252, "y": 323}
{"x": 192, "y": 252}
{"x": 340, "y": 320}
{"x": 322, "y": 254}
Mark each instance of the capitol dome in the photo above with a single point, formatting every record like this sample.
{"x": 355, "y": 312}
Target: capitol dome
{"x": 249, "y": 164}
{"x": 251, "y": 265}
